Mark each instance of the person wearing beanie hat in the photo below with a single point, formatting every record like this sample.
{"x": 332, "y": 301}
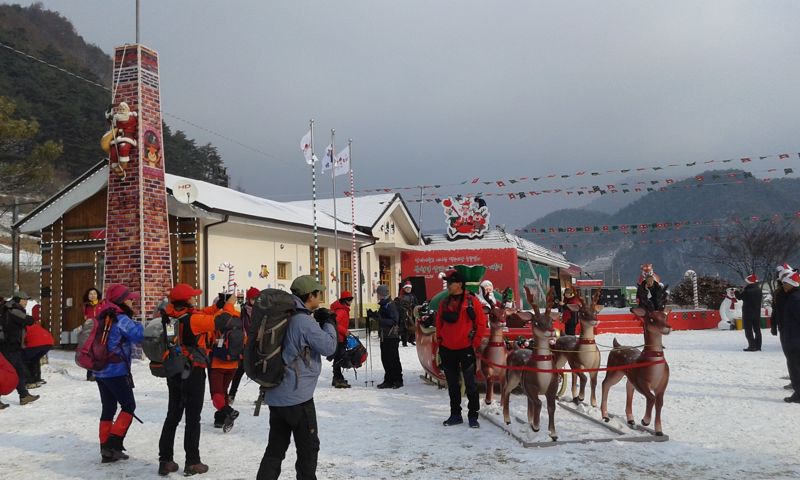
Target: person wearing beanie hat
{"x": 406, "y": 302}
{"x": 751, "y": 312}
{"x": 114, "y": 380}
{"x": 389, "y": 322}
{"x": 341, "y": 308}
{"x": 291, "y": 404}
{"x": 247, "y": 312}
{"x": 790, "y": 332}
{"x": 187, "y": 390}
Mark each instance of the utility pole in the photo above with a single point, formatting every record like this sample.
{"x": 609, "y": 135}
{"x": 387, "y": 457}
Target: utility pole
{"x": 14, "y": 245}
{"x": 137, "y": 22}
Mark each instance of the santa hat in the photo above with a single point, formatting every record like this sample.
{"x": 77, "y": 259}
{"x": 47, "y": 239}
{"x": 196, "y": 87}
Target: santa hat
{"x": 407, "y": 285}
{"x": 781, "y": 269}
{"x": 752, "y": 278}
{"x": 793, "y": 279}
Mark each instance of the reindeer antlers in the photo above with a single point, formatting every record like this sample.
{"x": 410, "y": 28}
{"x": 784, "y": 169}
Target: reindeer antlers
{"x": 551, "y": 296}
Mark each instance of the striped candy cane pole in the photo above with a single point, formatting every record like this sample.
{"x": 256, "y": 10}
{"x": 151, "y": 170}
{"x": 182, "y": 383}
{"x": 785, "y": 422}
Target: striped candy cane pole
{"x": 695, "y": 296}
{"x": 231, "y": 276}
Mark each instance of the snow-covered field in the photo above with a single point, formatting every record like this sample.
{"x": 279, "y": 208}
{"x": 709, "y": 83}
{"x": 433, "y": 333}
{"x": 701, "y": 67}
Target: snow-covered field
{"x": 723, "y": 412}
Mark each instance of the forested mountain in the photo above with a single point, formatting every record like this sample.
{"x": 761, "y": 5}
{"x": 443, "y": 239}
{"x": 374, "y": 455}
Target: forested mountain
{"x": 709, "y": 202}
{"x": 69, "y": 111}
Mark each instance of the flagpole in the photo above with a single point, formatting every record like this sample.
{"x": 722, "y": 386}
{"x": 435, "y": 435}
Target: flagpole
{"x": 314, "y": 202}
{"x": 354, "y": 260}
{"x": 421, "y": 200}
{"x": 335, "y": 218}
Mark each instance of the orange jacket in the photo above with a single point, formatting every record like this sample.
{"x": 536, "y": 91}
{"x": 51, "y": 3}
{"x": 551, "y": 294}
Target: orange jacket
{"x": 201, "y": 323}
{"x": 218, "y": 362}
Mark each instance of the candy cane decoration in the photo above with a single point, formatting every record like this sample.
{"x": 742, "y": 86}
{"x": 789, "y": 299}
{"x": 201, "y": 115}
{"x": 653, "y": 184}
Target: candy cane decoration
{"x": 691, "y": 274}
{"x": 231, "y": 287}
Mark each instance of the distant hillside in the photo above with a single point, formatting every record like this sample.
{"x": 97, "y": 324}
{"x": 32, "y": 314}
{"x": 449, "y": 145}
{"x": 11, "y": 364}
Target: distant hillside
{"x": 69, "y": 110}
{"x": 671, "y": 251}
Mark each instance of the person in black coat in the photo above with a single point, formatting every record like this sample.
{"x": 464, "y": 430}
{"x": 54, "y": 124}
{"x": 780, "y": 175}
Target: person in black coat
{"x": 650, "y": 293}
{"x": 15, "y": 320}
{"x": 790, "y": 332}
{"x": 751, "y": 313}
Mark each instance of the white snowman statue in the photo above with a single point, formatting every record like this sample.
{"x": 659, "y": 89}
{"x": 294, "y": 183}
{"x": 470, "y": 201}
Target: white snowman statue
{"x": 729, "y": 310}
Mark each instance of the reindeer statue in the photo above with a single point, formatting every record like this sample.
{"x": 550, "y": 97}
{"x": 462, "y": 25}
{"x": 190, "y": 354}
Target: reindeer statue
{"x": 495, "y": 351}
{"x": 535, "y": 383}
{"x": 651, "y": 381}
{"x": 581, "y": 352}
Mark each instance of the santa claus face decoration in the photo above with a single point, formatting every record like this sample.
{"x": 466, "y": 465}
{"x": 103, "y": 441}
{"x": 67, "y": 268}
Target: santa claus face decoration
{"x": 152, "y": 148}
{"x": 467, "y": 217}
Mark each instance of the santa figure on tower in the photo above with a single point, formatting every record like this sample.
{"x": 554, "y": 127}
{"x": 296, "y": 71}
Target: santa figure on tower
{"x": 121, "y": 138}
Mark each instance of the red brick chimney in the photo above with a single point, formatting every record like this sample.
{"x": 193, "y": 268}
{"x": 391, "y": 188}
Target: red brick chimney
{"x": 137, "y": 223}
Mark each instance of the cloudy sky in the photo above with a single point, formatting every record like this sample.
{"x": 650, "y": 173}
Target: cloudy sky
{"x": 440, "y": 91}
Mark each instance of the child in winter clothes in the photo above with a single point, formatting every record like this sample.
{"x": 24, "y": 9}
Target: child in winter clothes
{"x": 341, "y": 308}
{"x": 38, "y": 342}
{"x": 220, "y": 377}
{"x": 115, "y": 381}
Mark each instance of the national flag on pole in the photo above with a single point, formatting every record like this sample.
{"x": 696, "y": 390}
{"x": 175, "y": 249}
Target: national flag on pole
{"x": 341, "y": 162}
{"x": 305, "y": 147}
{"x": 327, "y": 161}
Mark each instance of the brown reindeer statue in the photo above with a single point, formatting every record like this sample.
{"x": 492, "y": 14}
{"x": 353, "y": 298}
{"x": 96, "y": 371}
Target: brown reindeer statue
{"x": 535, "y": 383}
{"x": 651, "y": 381}
{"x": 581, "y": 352}
{"x": 495, "y": 351}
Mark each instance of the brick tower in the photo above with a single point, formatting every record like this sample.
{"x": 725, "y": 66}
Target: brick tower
{"x": 137, "y": 223}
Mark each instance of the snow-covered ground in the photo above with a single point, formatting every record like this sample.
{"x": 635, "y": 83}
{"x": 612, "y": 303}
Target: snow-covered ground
{"x": 723, "y": 412}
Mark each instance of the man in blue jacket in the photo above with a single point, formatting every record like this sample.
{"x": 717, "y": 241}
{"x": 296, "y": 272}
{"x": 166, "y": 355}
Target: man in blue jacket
{"x": 291, "y": 404}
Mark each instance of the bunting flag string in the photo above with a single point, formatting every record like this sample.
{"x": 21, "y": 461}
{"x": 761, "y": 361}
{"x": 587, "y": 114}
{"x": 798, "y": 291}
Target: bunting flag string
{"x": 644, "y": 241}
{"x": 620, "y": 188}
{"x": 639, "y": 228}
{"x": 508, "y": 183}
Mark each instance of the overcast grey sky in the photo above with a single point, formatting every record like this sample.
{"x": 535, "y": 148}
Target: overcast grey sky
{"x": 439, "y": 91}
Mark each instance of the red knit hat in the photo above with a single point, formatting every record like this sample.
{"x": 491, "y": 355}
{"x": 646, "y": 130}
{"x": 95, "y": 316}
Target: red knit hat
{"x": 181, "y": 292}
{"x": 252, "y": 292}
{"x": 118, "y": 293}
{"x": 751, "y": 278}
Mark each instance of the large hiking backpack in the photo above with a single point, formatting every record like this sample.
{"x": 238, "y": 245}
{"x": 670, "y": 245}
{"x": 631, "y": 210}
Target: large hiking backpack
{"x": 263, "y": 361}
{"x": 354, "y": 354}
{"x": 229, "y": 338}
{"x": 92, "y": 352}
{"x": 8, "y": 376}
{"x": 172, "y": 351}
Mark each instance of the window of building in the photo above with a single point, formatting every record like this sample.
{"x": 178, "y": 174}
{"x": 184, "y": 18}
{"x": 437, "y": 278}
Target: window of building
{"x": 346, "y": 270}
{"x": 283, "y": 270}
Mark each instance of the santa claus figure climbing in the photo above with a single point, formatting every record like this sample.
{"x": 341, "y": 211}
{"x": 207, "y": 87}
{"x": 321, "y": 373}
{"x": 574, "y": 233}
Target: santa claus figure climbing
{"x": 121, "y": 138}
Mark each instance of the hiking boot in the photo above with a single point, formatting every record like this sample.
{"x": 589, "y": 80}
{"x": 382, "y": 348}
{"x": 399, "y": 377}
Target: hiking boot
{"x": 386, "y": 384}
{"x": 111, "y": 451}
{"x": 31, "y": 386}
{"x": 788, "y": 387}
{"x": 167, "y": 467}
{"x": 227, "y": 424}
{"x": 198, "y": 467}
{"x": 453, "y": 420}
{"x": 397, "y": 385}
{"x": 3, "y": 405}
{"x": 219, "y": 419}
{"x": 340, "y": 383}
{"x": 793, "y": 399}
{"x": 28, "y": 399}
{"x": 473, "y": 423}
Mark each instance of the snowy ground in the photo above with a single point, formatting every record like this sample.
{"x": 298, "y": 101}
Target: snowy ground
{"x": 723, "y": 412}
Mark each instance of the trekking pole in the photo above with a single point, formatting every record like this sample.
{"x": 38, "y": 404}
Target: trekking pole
{"x": 261, "y": 394}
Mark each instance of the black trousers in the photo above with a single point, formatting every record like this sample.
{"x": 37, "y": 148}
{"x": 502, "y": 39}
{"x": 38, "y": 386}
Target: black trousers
{"x": 300, "y": 422}
{"x": 237, "y": 377}
{"x": 390, "y": 359}
{"x": 184, "y": 395}
{"x": 17, "y": 360}
{"x": 456, "y": 363}
{"x": 752, "y": 330}
{"x": 113, "y": 391}
{"x": 793, "y": 365}
{"x": 33, "y": 364}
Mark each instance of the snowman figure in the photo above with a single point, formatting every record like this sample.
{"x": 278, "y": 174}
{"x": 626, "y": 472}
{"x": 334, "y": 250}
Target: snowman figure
{"x": 729, "y": 310}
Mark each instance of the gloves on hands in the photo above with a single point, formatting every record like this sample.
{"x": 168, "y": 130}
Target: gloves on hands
{"x": 323, "y": 316}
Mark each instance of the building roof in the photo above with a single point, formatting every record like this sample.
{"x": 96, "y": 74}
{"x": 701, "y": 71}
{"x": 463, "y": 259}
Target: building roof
{"x": 211, "y": 198}
{"x": 368, "y": 208}
{"x": 498, "y": 239}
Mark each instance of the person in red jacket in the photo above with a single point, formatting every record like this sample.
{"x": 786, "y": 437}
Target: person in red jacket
{"x": 460, "y": 326}
{"x": 37, "y": 343}
{"x": 341, "y": 308}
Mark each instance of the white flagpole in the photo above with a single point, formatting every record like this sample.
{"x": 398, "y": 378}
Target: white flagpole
{"x": 335, "y": 218}
{"x": 314, "y": 202}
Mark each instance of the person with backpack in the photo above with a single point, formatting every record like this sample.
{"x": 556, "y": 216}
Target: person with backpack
{"x": 291, "y": 402}
{"x": 246, "y": 314}
{"x": 187, "y": 389}
{"x": 226, "y": 354}
{"x": 460, "y": 326}
{"x": 91, "y": 302}
{"x": 389, "y": 321}
{"x": 406, "y": 302}
{"x": 14, "y": 320}
{"x": 341, "y": 308}
{"x": 115, "y": 326}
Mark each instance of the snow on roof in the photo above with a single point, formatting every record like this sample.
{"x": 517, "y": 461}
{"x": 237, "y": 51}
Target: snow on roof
{"x": 227, "y": 200}
{"x": 498, "y": 239}
{"x": 368, "y": 208}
